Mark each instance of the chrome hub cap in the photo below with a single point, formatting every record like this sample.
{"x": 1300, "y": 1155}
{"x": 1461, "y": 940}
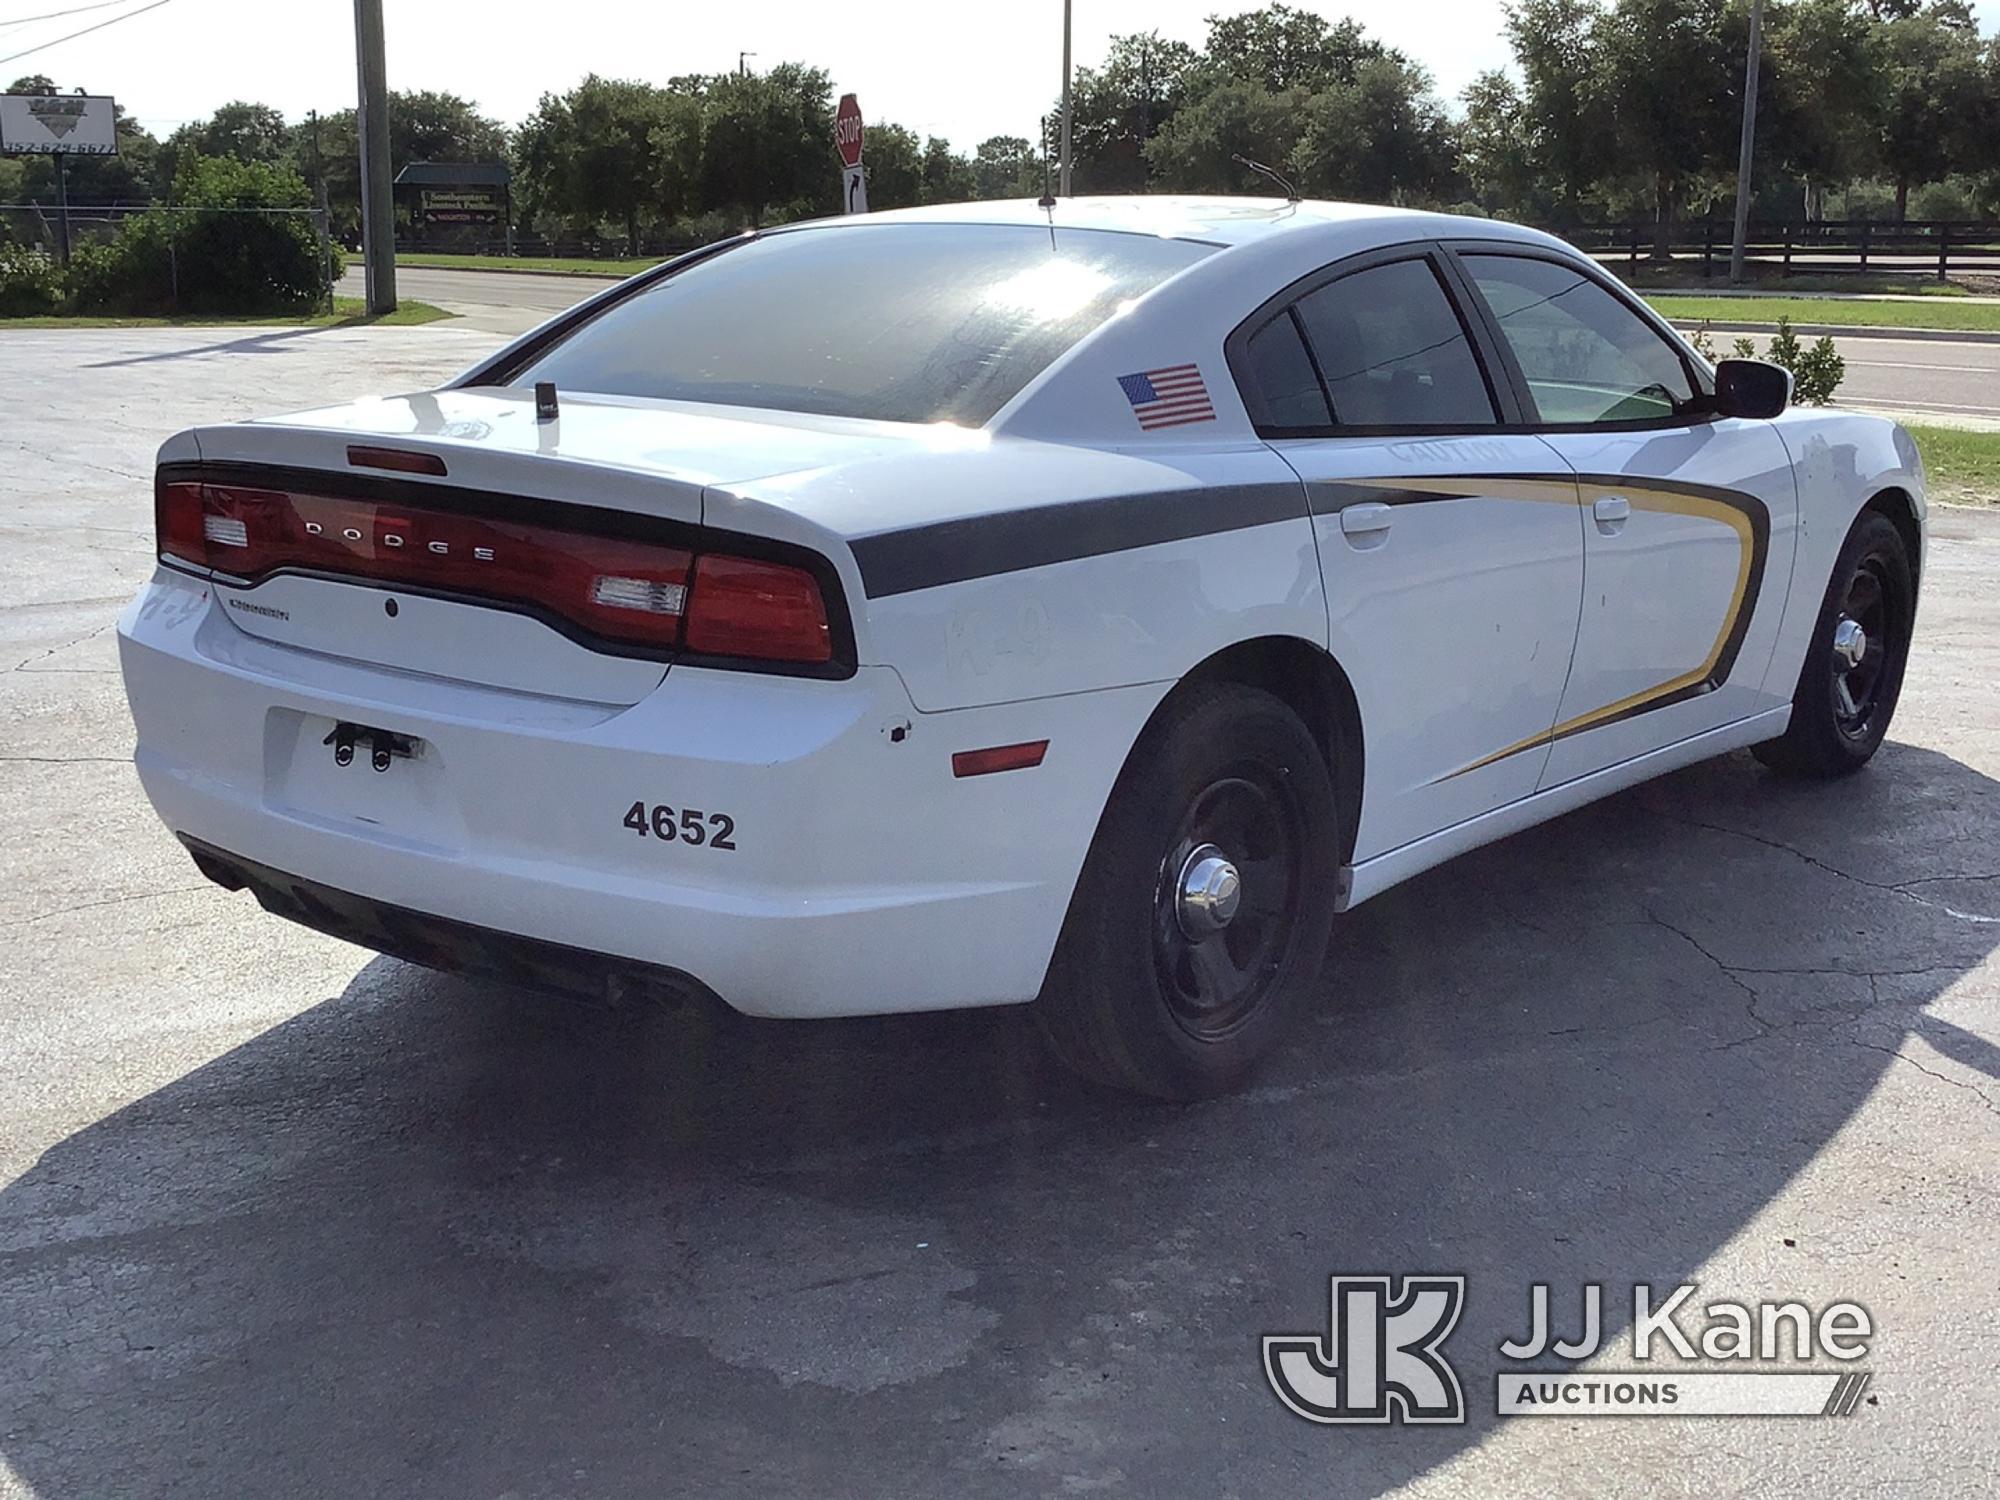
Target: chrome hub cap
{"x": 1222, "y": 923}
{"x": 1207, "y": 894}
{"x": 1850, "y": 644}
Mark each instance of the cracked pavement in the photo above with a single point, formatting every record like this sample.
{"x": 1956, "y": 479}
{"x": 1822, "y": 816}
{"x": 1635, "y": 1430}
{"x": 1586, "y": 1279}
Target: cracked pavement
{"x": 278, "y": 1216}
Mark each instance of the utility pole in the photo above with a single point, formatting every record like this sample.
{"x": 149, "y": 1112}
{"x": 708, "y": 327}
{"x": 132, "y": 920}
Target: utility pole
{"x": 1745, "y": 150}
{"x": 378, "y": 209}
{"x": 62, "y": 204}
{"x": 1064, "y": 178}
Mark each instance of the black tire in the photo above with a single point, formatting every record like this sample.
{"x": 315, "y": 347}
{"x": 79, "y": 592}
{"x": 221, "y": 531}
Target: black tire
{"x": 1131, "y": 998}
{"x": 1840, "y": 712}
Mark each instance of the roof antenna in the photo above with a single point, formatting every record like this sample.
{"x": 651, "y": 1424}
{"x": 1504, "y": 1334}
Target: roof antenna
{"x": 1048, "y": 198}
{"x": 1291, "y": 193}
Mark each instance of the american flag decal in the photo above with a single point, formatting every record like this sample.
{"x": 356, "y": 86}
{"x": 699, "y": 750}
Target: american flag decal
{"x": 1168, "y": 397}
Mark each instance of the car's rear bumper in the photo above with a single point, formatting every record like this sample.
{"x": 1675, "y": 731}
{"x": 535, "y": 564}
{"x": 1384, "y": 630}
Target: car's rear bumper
{"x": 864, "y": 877}
{"x": 420, "y": 937}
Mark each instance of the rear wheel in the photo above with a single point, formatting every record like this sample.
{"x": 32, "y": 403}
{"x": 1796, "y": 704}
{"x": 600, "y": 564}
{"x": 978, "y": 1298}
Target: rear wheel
{"x": 1853, "y": 671}
{"x": 1201, "y": 919}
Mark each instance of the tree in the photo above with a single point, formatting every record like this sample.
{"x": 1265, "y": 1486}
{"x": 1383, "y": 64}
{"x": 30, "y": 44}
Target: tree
{"x": 947, "y": 176}
{"x": 1555, "y": 43}
{"x": 601, "y": 153}
{"x": 423, "y": 126}
{"x": 1494, "y": 147}
{"x": 1933, "y": 88}
{"x": 1123, "y": 104}
{"x": 895, "y": 167}
{"x": 1006, "y": 166}
{"x": 767, "y": 141}
{"x": 1820, "y": 95}
{"x": 1196, "y": 150}
{"x": 1670, "y": 86}
{"x": 239, "y": 130}
{"x": 1282, "y": 48}
{"x": 1380, "y": 138}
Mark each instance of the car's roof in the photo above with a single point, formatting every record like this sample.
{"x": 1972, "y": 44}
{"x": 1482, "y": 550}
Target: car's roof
{"x": 1218, "y": 220}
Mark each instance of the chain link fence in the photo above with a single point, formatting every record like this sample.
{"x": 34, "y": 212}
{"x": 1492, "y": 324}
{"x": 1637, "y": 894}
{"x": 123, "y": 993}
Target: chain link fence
{"x": 59, "y": 232}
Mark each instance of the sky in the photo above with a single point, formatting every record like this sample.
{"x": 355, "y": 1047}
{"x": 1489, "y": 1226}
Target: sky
{"x": 953, "y": 68}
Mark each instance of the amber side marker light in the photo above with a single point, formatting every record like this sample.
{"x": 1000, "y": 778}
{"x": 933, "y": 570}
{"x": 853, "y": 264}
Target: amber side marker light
{"x": 400, "y": 460}
{"x": 999, "y": 758}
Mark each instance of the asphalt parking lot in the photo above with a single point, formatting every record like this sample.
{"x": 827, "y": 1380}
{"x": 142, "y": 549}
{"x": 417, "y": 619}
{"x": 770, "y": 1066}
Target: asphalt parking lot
{"x": 281, "y": 1217}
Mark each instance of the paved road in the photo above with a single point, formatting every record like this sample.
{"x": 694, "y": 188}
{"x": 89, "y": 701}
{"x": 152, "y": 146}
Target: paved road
{"x": 279, "y": 1217}
{"x": 498, "y": 301}
{"x": 1911, "y": 378}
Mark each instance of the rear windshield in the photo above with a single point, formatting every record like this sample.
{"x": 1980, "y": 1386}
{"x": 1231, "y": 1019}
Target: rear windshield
{"x": 898, "y": 322}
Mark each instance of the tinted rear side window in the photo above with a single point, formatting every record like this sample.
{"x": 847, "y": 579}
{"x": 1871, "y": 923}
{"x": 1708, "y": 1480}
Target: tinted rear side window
{"x": 899, "y": 322}
{"x": 1281, "y": 371}
{"x": 1394, "y": 352}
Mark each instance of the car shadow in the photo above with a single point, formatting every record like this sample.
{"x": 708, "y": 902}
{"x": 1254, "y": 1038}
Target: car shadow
{"x": 428, "y": 1236}
{"x": 274, "y": 341}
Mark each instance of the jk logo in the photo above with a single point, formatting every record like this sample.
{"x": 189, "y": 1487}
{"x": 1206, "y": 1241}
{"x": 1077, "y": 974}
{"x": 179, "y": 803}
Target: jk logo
{"x": 1379, "y": 1361}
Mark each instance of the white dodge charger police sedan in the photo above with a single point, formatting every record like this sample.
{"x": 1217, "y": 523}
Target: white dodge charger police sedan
{"x": 999, "y": 603}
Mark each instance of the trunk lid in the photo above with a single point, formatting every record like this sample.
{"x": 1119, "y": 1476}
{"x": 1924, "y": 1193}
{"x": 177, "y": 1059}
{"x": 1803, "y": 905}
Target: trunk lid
{"x": 639, "y": 468}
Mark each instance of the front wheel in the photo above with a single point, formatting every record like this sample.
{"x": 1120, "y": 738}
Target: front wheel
{"x": 1201, "y": 918}
{"x": 1853, "y": 671}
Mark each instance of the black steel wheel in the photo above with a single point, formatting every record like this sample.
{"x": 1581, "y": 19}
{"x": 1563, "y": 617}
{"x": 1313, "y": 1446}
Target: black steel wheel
{"x": 1216, "y": 953}
{"x": 1201, "y": 919}
{"x": 1853, "y": 671}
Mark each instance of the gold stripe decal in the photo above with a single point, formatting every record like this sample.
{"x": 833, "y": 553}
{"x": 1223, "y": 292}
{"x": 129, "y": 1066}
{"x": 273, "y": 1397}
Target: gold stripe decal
{"x": 1745, "y": 515}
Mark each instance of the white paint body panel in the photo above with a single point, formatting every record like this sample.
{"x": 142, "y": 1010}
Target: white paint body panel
{"x": 1659, "y": 588}
{"x": 1455, "y": 621}
{"x": 867, "y": 877}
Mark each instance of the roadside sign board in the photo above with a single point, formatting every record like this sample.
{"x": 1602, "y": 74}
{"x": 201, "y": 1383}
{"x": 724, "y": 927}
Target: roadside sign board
{"x": 58, "y": 124}
{"x": 847, "y": 131}
{"x": 459, "y": 205}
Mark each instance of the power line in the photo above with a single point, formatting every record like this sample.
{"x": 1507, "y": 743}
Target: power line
{"x": 44, "y": 46}
{"x": 56, "y": 15}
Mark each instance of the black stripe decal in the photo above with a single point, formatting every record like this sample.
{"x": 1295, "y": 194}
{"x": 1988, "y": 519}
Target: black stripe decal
{"x": 928, "y": 557}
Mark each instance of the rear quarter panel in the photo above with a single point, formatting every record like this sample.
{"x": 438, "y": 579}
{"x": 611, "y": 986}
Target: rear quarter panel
{"x": 1013, "y": 570}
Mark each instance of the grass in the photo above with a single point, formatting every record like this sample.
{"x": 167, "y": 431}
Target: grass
{"x": 569, "y": 265}
{"x": 1677, "y": 277}
{"x": 1943, "y": 312}
{"x": 1962, "y": 466}
{"x": 348, "y": 312}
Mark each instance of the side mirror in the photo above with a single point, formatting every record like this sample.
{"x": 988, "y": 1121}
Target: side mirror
{"x": 1752, "y": 388}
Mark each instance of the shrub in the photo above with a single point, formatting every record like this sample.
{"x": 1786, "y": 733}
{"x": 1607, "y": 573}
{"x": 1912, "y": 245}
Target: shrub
{"x": 1819, "y": 372}
{"x": 31, "y": 284}
{"x": 1816, "y": 372}
{"x": 214, "y": 253}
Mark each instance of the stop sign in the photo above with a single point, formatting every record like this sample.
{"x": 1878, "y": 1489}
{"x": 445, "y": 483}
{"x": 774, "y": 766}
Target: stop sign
{"x": 847, "y": 130}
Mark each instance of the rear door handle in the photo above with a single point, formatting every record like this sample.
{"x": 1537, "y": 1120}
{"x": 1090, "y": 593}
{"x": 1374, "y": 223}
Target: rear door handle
{"x": 1611, "y": 511}
{"x": 1364, "y": 520}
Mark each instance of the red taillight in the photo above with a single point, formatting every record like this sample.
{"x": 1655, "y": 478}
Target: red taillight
{"x": 617, "y": 589}
{"x": 177, "y": 518}
{"x": 742, "y": 607}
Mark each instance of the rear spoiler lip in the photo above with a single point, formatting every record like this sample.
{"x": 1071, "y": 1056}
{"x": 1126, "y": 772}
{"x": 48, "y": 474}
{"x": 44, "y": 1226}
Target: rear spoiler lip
{"x": 386, "y": 489}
